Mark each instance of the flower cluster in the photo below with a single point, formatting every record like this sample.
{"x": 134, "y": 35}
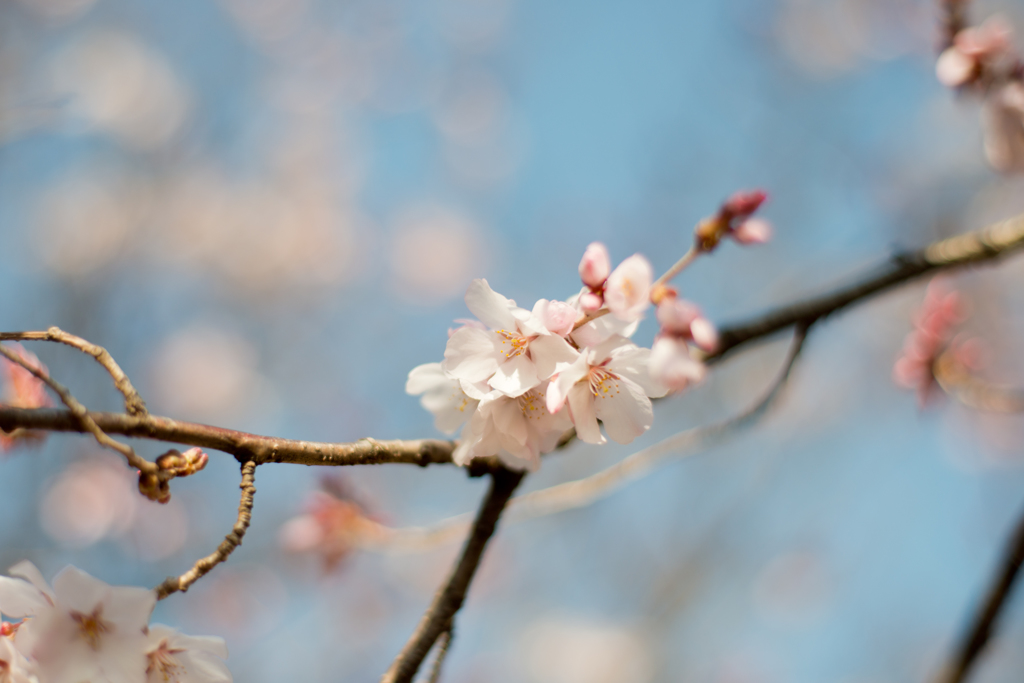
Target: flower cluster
{"x": 22, "y": 389}
{"x": 82, "y": 629}
{"x": 981, "y": 59}
{"x": 931, "y": 339}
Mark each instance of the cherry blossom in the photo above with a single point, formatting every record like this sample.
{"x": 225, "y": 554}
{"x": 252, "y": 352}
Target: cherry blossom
{"x": 973, "y": 50}
{"x": 733, "y": 219}
{"x": 627, "y": 292}
{"x": 173, "y": 657}
{"x": 941, "y": 311}
{"x": 22, "y": 389}
{"x": 14, "y": 667}
{"x": 516, "y": 429}
{"x": 609, "y": 382}
{"x": 673, "y": 364}
{"x": 442, "y": 395}
{"x": 517, "y": 351}
{"x": 595, "y": 265}
{"x": 1003, "y": 127}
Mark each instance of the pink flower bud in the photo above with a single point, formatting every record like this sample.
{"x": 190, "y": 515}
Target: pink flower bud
{"x": 628, "y": 289}
{"x": 704, "y": 334}
{"x": 753, "y": 231}
{"x": 676, "y": 315}
{"x": 595, "y": 265}
{"x": 987, "y": 41}
{"x": 672, "y": 365}
{"x": 954, "y": 68}
{"x": 558, "y": 316}
{"x": 744, "y": 203}
{"x": 590, "y": 302}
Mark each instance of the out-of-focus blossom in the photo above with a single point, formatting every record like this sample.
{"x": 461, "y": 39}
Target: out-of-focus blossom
{"x": 514, "y": 355}
{"x": 610, "y": 382}
{"x": 14, "y": 667}
{"x": 82, "y": 629}
{"x": 89, "y": 500}
{"x": 333, "y": 525}
{"x": 974, "y": 50}
{"x": 173, "y": 657}
{"x": 940, "y": 313}
{"x": 682, "y": 319}
{"x": 442, "y": 396}
{"x": 560, "y": 649}
{"x": 1003, "y": 127}
{"x": 682, "y": 322}
{"x": 595, "y": 266}
{"x": 734, "y": 220}
{"x": 673, "y": 365}
{"x": 516, "y": 429}
{"x": 22, "y": 390}
{"x": 627, "y": 292}
{"x": 434, "y": 251}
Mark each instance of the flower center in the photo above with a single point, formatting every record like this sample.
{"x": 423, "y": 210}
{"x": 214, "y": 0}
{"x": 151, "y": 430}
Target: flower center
{"x": 603, "y": 382}
{"x": 92, "y": 626}
{"x": 164, "y": 664}
{"x": 532, "y": 405}
{"x": 513, "y": 344}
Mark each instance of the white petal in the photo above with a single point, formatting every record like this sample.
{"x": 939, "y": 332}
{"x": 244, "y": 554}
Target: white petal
{"x": 581, "y": 403}
{"x": 626, "y": 412}
{"x": 516, "y": 376}
{"x": 20, "y": 599}
{"x": 671, "y": 364}
{"x": 491, "y": 308}
{"x": 558, "y": 389}
{"x": 508, "y": 419}
{"x": 551, "y": 354}
{"x": 471, "y": 355}
{"x": 425, "y": 377}
{"x": 634, "y": 363}
{"x": 31, "y": 573}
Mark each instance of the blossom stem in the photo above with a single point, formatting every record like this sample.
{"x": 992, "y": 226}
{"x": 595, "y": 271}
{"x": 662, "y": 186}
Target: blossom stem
{"x": 590, "y": 317}
{"x": 680, "y": 265}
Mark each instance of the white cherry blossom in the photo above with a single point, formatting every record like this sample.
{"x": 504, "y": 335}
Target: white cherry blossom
{"x": 517, "y": 351}
{"x": 14, "y": 667}
{"x": 173, "y": 657}
{"x": 609, "y": 382}
{"x": 627, "y": 291}
{"x": 82, "y": 629}
{"x": 672, "y": 364}
{"x": 516, "y": 429}
{"x": 443, "y": 395}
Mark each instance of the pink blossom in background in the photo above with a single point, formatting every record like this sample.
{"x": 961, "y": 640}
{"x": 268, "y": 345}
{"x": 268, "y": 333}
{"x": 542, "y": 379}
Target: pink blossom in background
{"x": 733, "y": 219}
{"x": 941, "y": 311}
{"x": 21, "y": 389}
{"x": 627, "y": 292}
{"x": 595, "y": 265}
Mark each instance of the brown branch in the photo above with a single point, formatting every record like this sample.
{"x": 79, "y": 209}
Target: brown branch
{"x": 83, "y": 419}
{"x": 133, "y": 403}
{"x": 449, "y": 598}
{"x": 967, "y": 249}
{"x": 983, "y": 621}
{"x": 202, "y": 567}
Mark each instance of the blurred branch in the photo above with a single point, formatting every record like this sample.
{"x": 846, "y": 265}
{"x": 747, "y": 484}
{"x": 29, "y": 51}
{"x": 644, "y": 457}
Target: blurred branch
{"x": 983, "y": 621}
{"x": 133, "y": 403}
{"x": 449, "y": 598}
{"x": 81, "y": 416}
{"x": 201, "y": 568}
{"x": 988, "y": 244}
{"x": 442, "y": 653}
{"x": 980, "y": 246}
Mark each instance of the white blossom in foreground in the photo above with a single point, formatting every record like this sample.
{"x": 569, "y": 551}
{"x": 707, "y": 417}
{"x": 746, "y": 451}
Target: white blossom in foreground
{"x": 14, "y": 667}
{"x": 173, "y": 657}
{"x": 517, "y": 351}
{"x": 83, "y": 630}
{"x": 516, "y": 429}
{"x": 442, "y": 395}
{"x": 610, "y": 382}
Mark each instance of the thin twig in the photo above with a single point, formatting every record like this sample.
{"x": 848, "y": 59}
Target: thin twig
{"x": 983, "y": 621}
{"x": 970, "y": 248}
{"x": 581, "y": 492}
{"x": 202, "y": 567}
{"x": 449, "y": 598}
{"x": 133, "y": 403}
{"x": 81, "y": 414}
{"x": 442, "y": 652}
{"x": 689, "y": 257}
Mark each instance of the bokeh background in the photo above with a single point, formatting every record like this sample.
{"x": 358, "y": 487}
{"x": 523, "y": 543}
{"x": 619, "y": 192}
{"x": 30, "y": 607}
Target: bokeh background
{"x": 268, "y": 211}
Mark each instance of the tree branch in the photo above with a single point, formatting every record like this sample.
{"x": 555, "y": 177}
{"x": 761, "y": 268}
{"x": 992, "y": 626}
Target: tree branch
{"x": 133, "y": 403}
{"x": 449, "y": 598}
{"x": 967, "y": 249}
{"x": 201, "y": 568}
{"x": 983, "y": 621}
